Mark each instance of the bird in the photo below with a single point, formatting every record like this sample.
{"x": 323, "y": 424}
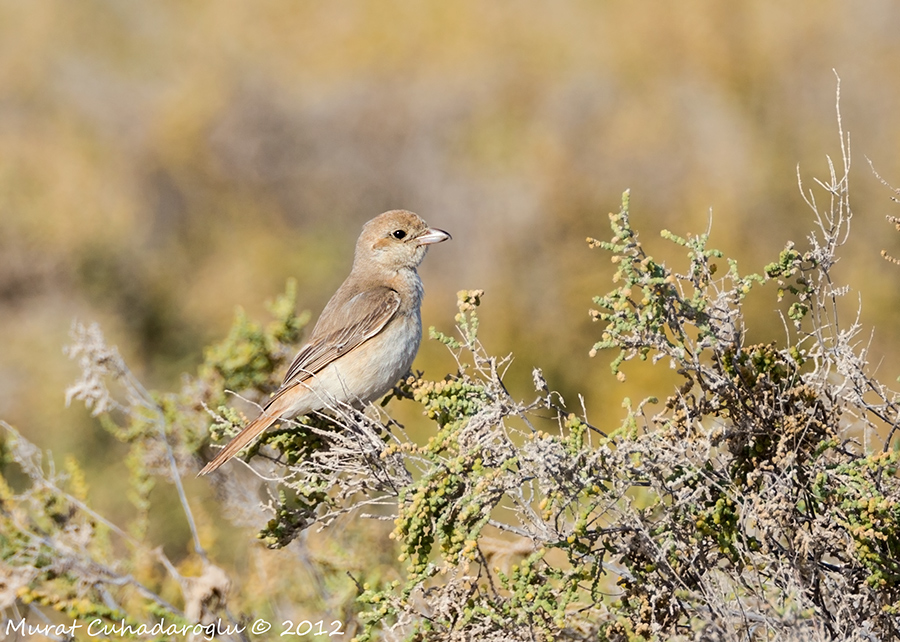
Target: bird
{"x": 367, "y": 335}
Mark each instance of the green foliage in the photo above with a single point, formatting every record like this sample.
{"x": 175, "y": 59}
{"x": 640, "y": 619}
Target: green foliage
{"x": 250, "y": 355}
{"x": 54, "y": 552}
{"x": 863, "y": 496}
{"x": 764, "y": 477}
{"x": 57, "y": 553}
{"x": 656, "y": 310}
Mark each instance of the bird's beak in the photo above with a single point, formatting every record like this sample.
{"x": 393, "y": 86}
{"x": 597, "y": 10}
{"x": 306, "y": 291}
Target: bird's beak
{"x": 432, "y": 236}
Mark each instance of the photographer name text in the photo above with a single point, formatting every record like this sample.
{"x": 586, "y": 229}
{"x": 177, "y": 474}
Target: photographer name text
{"x": 103, "y": 629}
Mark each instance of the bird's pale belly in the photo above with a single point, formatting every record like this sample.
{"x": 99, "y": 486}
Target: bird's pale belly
{"x": 379, "y": 364}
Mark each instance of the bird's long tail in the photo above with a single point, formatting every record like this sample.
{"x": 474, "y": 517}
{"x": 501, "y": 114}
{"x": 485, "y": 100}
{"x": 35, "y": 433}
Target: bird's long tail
{"x": 240, "y": 441}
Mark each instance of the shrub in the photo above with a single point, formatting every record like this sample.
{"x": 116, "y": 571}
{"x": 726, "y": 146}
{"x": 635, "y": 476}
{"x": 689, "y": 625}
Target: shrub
{"x": 756, "y": 504}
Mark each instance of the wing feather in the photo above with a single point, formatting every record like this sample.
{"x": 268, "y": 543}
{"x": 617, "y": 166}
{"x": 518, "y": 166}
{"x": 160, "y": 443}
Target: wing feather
{"x": 367, "y": 313}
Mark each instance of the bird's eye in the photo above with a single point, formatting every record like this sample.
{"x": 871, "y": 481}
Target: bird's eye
{"x": 398, "y": 234}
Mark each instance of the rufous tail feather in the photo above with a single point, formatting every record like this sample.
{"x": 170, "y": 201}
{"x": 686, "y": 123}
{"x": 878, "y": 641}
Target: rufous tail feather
{"x": 242, "y": 439}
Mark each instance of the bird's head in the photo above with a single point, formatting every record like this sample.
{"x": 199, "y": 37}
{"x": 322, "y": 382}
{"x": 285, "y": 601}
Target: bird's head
{"x": 395, "y": 240}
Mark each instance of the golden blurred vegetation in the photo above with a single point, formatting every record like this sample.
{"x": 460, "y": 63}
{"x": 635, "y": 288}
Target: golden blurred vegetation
{"x": 163, "y": 163}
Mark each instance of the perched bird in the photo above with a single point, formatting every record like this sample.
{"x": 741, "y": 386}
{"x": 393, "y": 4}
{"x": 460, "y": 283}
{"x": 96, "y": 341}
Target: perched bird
{"x": 367, "y": 335}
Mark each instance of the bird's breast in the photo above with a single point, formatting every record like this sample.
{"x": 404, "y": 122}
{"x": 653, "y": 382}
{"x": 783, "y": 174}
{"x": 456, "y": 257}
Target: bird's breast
{"x": 370, "y": 370}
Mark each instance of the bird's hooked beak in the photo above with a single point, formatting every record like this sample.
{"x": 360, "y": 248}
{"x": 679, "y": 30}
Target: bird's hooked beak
{"x": 431, "y": 236}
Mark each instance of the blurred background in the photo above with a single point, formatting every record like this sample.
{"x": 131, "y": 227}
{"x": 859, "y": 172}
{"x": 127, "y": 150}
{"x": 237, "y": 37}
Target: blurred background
{"x": 163, "y": 163}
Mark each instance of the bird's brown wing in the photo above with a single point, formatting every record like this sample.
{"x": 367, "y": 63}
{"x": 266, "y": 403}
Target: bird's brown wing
{"x": 365, "y": 315}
